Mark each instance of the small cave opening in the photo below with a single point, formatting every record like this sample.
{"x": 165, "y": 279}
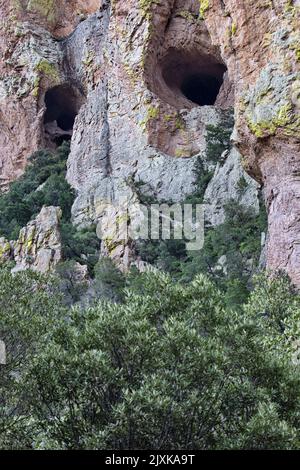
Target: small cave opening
{"x": 62, "y": 106}
{"x": 189, "y": 79}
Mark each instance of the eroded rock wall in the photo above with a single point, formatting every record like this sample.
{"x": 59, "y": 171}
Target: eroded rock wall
{"x": 137, "y": 67}
{"x": 260, "y": 43}
{"x": 136, "y": 128}
{"x": 32, "y": 61}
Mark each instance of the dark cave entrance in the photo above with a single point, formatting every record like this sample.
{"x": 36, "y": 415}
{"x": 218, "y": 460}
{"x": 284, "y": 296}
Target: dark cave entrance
{"x": 201, "y": 89}
{"x": 62, "y": 106}
{"x": 66, "y": 121}
{"x": 189, "y": 79}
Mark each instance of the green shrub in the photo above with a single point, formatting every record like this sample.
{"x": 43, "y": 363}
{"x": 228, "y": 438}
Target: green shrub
{"x": 169, "y": 368}
{"x": 30, "y": 304}
{"x": 203, "y": 178}
{"x": 239, "y": 239}
{"x": 109, "y": 281}
{"x": 218, "y": 137}
{"x": 81, "y": 245}
{"x": 72, "y": 288}
{"x": 171, "y": 255}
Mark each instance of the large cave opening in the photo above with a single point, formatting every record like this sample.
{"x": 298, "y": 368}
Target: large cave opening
{"x": 62, "y": 106}
{"x": 189, "y": 79}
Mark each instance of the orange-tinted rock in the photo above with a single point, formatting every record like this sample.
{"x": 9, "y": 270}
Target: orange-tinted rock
{"x": 260, "y": 44}
{"x": 32, "y": 62}
{"x": 60, "y": 17}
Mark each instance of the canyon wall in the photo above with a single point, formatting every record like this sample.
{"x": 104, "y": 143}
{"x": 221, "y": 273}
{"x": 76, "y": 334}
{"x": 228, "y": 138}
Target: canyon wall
{"x": 260, "y": 43}
{"x": 135, "y": 84}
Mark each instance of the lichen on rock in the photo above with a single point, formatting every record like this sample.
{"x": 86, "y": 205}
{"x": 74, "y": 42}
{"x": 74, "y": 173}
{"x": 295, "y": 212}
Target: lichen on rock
{"x": 152, "y": 76}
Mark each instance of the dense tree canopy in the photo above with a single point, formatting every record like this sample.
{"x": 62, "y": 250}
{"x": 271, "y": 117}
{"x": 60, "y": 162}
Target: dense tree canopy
{"x": 169, "y": 367}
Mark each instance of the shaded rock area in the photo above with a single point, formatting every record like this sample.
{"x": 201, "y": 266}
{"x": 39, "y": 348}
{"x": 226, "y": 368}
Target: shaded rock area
{"x": 260, "y": 44}
{"x": 62, "y": 105}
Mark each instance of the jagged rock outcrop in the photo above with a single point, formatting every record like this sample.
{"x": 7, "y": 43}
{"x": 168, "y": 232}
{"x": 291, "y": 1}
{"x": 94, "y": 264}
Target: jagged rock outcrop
{"x": 6, "y": 250}
{"x": 260, "y": 44}
{"x": 139, "y": 82}
{"x": 32, "y": 62}
{"x": 2, "y": 353}
{"x": 229, "y": 183}
{"x": 39, "y": 244}
{"x": 137, "y": 126}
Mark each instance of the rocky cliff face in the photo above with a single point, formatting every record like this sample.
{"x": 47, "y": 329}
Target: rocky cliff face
{"x": 39, "y": 245}
{"x": 135, "y": 84}
{"x": 260, "y": 45}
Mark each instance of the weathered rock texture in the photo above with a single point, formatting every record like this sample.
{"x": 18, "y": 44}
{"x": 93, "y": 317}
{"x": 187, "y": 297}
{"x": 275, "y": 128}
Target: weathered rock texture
{"x": 144, "y": 79}
{"x": 230, "y": 182}
{"x": 32, "y": 62}
{"x": 39, "y": 244}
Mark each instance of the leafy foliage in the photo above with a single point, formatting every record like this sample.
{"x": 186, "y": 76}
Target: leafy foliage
{"x": 203, "y": 177}
{"x": 239, "y": 238}
{"x": 196, "y": 363}
{"x": 170, "y": 367}
{"x": 218, "y": 137}
{"x": 72, "y": 286}
{"x": 109, "y": 281}
{"x": 217, "y": 142}
{"x": 29, "y": 307}
{"x": 81, "y": 245}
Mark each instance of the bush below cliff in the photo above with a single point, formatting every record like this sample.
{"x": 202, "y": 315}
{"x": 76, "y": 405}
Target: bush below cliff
{"x": 169, "y": 367}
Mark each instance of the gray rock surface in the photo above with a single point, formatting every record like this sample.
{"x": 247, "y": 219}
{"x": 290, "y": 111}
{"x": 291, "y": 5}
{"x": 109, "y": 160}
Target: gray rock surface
{"x": 2, "y": 353}
{"x": 135, "y": 127}
{"x": 39, "y": 244}
{"x": 230, "y": 182}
